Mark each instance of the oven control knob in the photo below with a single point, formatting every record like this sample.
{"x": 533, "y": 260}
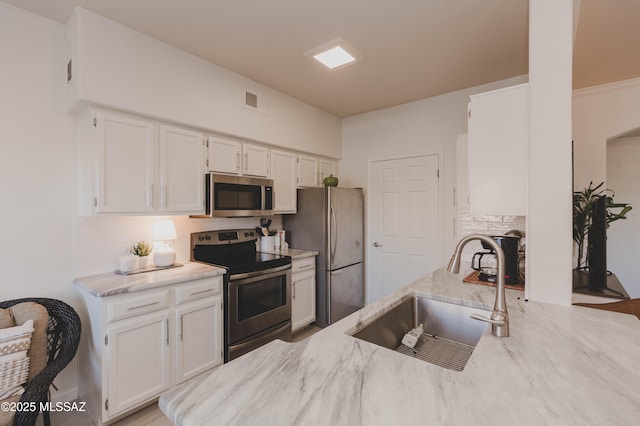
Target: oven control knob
{"x": 200, "y": 238}
{"x": 246, "y": 234}
{"x": 208, "y": 237}
{"x": 252, "y": 234}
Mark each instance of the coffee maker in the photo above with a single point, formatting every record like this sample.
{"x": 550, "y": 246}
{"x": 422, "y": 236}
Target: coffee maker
{"x": 509, "y": 245}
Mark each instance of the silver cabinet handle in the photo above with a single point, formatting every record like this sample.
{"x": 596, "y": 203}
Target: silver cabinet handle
{"x": 142, "y": 306}
{"x": 238, "y": 161}
{"x": 299, "y": 268}
{"x": 376, "y": 244}
{"x": 167, "y": 330}
{"x": 246, "y": 161}
{"x": 202, "y": 291}
{"x": 163, "y": 198}
{"x": 150, "y": 197}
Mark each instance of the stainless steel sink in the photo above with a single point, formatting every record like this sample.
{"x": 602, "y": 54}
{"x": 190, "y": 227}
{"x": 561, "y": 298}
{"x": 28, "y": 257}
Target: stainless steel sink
{"x": 449, "y": 337}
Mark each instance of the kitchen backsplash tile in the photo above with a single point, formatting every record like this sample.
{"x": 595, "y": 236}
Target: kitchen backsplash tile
{"x": 100, "y": 240}
{"x": 487, "y": 225}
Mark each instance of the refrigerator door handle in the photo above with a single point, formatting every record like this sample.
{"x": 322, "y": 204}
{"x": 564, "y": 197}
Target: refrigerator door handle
{"x": 334, "y": 232}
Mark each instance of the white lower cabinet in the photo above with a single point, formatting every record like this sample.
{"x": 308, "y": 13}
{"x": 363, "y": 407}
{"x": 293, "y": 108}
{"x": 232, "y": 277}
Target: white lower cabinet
{"x": 138, "y": 345}
{"x": 303, "y": 292}
{"x": 137, "y": 360}
{"x": 193, "y": 353}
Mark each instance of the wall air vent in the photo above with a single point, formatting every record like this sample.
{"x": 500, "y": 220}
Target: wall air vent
{"x": 251, "y": 100}
{"x": 257, "y": 102}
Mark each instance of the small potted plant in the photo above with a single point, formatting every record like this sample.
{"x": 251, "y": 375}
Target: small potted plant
{"x": 142, "y": 249}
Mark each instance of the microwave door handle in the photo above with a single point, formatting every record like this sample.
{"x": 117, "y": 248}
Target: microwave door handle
{"x": 263, "y": 196}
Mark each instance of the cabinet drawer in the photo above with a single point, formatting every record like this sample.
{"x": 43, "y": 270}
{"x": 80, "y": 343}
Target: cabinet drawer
{"x": 303, "y": 265}
{"x": 129, "y": 306}
{"x": 198, "y": 289}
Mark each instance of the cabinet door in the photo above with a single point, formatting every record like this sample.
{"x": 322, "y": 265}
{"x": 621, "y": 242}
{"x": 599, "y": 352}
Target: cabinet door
{"x": 283, "y": 173}
{"x": 223, "y": 155}
{"x": 307, "y": 171}
{"x": 497, "y": 148}
{"x": 198, "y": 338}
{"x": 303, "y": 292}
{"x": 303, "y": 300}
{"x": 255, "y": 161}
{"x": 327, "y": 168}
{"x": 137, "y": 361}
{"x": 125, "y": 160}
{"x": 181, "y": 171}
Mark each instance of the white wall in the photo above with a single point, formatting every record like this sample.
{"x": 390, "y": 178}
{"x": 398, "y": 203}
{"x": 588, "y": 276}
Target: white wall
{"x": 100, "y": 240}
{"x": 45, "y": 245}
{"x": 428, "y": 126}
{"x": 599, "y": 114}
{"x": 37, "y": 166}
{"x": 623, "y": 236}
{"x": 117, "y": 67}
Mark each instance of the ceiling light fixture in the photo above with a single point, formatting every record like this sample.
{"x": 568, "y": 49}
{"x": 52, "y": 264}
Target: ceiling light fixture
{"x": 335, "y": 54}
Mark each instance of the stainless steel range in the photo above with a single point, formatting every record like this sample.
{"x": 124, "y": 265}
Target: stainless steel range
{"x": 257, "y": 289}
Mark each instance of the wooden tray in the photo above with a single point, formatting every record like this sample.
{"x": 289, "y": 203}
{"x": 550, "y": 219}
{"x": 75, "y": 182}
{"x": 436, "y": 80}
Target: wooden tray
{"x": 473, "y": 278}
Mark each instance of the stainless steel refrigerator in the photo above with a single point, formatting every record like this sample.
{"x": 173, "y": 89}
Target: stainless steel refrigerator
{"x": 331, "y": 221}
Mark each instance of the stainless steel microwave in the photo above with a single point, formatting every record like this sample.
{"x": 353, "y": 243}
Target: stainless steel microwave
{"x": 237, "y": 196}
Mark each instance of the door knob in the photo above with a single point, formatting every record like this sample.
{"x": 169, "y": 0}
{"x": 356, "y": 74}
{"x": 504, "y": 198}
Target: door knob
{"x": 377, "y": 245}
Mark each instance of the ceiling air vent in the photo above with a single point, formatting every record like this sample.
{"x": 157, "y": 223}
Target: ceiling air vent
{"x": 256, "y": 102}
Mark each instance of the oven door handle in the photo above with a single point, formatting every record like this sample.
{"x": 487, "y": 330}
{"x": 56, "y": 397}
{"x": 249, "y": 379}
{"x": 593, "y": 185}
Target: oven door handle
{"x": 236, "y": 277}
{"x": 256, "y": 339}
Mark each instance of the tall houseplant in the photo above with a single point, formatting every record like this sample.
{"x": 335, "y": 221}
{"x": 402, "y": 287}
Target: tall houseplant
{"x": 583, "y": 203}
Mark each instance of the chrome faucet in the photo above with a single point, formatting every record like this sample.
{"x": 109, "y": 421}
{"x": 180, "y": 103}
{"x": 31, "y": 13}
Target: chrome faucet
{"x": 499, "y": 318}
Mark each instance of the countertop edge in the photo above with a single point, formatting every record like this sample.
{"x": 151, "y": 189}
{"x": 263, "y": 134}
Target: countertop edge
{"x": 111, "y": 284}
{"x": 294, "y": 254}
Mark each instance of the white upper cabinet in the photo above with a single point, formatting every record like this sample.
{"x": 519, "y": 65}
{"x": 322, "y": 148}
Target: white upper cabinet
{"x": 497, "y": 151}
{"x": 125, "y": 164}
{"x": 223, "y": 155}
{"x": 255, "y": 160}
{"x": 131, "y": 165}
{"x": 307, "y": 171}
{"x": 233, "y": 157}
{"x": 181, "y": 170}
{"x": 327, "y": 168}
{"x": 283, "y": 173}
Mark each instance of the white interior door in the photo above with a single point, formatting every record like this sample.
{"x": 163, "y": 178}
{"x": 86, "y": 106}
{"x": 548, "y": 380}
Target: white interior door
{"x": 403, "y": 223}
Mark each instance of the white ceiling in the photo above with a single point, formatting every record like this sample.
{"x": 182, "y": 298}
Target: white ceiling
{"x": 413, "y": 49}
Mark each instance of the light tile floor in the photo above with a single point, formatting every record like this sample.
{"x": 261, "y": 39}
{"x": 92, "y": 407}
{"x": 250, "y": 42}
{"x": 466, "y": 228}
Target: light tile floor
{"x": 148, "y": 416}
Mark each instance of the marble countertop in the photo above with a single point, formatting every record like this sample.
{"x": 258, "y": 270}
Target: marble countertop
{"x": 110, "y": 284}
{"x": 560, "y": 365}
{"x": 293, "y": 253}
